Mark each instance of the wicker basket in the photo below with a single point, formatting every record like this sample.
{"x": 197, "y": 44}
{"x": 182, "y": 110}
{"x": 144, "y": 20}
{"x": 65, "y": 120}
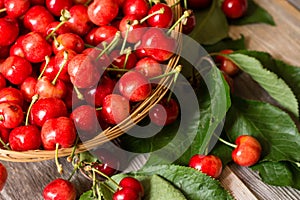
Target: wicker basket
{"x": 110, "y": 133}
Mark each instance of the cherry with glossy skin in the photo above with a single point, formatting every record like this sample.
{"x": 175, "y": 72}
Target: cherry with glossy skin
{"x": 83, "y": 73}
{"x": 138, "y": 8}
{"x": 79, "y": 21}
{"x": 133, "y": 183}
{"x": 134, "y": 86}
{"x": 46, "y": 89}
{"x": 16, "y": 49}
{"x": 158, "y": 45}
{"x": 227, "y": 65}
{"x": 55, "y": 6}
{"x": 68, "y": 41}
{"x": 37, "y": 18}
{"x": 234, "y": 9}
{"x": 59, "y": 189}
{"x": 198, "y": 4}
{"x": 60, "y": 62}
{"x": 165, "y": 112}
{"x": 247, "y": 152}
{"x": 11, "y": 95}
{"x": 9, "y": 31}
{"x": 104, "y": 33}
{"x": 208, "y": 164}
{"x": 11, "y": 115}
{"x": 3, "y": 176}
{"x": 94, "y": 96}
{"x": 60, "y": 131}
{"x": 65, "y": 28}
{"x": 35, "y": 47}
{"x": 115, "y": 108}
{"x": 16, "y": 69}
{"x": 126, "y": 194}
{"x": 189, "y": 24}
{"x": 16, "y": 8}
{"x": 149, "y": 67}
{"x": 164, "y": 20}
{"x": 124, "y": 61}
{"x": 102, "y": 12}
{"x": 4, "y": 135}
{"x": 27, "y": 88}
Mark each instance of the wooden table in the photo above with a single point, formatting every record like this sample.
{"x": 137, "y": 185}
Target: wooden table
{"x": 27, "y": 180}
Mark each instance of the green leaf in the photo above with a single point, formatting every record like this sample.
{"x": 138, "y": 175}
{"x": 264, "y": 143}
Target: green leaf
{"x": 87, "y": 157}
{"x": 268, "y": 80}
{"x": 254, "y": 14}
{"x": 88, "y": 195}
{"x": 192, "y": 183}
{"x": 275, "y": 173}
{"x": 273, "y": 127}
{"x": 226, "y": 43}
{"x": 212, "y": 25}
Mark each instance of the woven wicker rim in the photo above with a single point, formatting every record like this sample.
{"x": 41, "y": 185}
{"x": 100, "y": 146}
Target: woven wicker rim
{"x": 110, "y": 133}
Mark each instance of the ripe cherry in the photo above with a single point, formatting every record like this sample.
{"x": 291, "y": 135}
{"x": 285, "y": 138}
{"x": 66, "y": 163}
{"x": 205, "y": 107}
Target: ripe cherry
{"x": 11, "y": 95}
{"x": 16, "y": 8}
{"x": 3, "y": 176}
{"x": 227, "y": 65}
{"x": 189, "y": 24}
{"x": 149, "y": 67}
{"x": 247, "y": 151}
{"x": 126, "y": 194}
{"x": 27, "y": 88}
{"x": 9, "y": 31}
{"x": 115, "y": 108}
{"x": 102, "y": 12}
{"x": 79, "y": 21}
{"x": 234, "y": 8}
{"x": 104, "y": 33}
{"x": 163, "y": 20}
{"x": 55, "y": 6}
{"x": 134, "y": 86}
{"x": 59, "y": 189}
{"x": 68, "y": 41}
{"x": 64, "y": 28}
{"x": 165, "y": 112}
{"x": 11, "y": 115}
{"x": 138, "y": 8}
{"x": 124, "y": 61}
{"x": 208, "y": 164}
{"x": 134, "y": 184}
{"x": 46, "y": 89}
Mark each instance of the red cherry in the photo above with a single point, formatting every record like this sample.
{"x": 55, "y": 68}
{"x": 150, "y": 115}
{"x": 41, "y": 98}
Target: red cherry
{"x": 227, "y": 65}
{"x": 37, "y": 18}
{"x": 2, "y": 81}
{"x": 104, "y": 33}
{"x": 104, "y": 168}
{"x": 59, "y": 62}
{"x": 35, "y": 47}
{"x": 234, "y": 8}
{"x": 59, "y": 189}
{"x": 46, "y": 89}
{"x": 126, "y": 194}
{"x": 16, "y": 49}
{"x": 138, "y": 8}
{"x": 65, "y": 28}
{"x": 210, "y": 165}
{"x": 27, "y": 88}
{"x": 9, "y": 31}
{"x": 123, "y": 61}
{"x": 82, "y": 71}
{"x": 158, "y": 45}
{"x": 165, "y": 112}
{"x": 4, "y": 135}
{"x": 148, "y": 67}
{"x": 163, "y": 20}
{"x": 134, "y": 86}
{"x": 11, "y": 95}
{"x": 189, "y": 25}
{"x": 25, "y": 138}
{"x": 134, "y": 184}
{"x": 115, "y": 108}
{"x": 16, "y": 69}
{"x": 94, "y": 96}
{"x": 11, "y": 115}
{"x": 60, "y": 131}
{"x": 3, "y": 176}
{"x": 198, "y": 4}
{"x": 47, "y": 108}
{"x": 55, "y": 6}
{"x": 79, "y": 21}
{"x": 16, "y": 8}
{"x": 247, "y": 152}
{"x": 68, "y": 41}
{"x": 102, "y": 12}
{"x": 109, "y": 164}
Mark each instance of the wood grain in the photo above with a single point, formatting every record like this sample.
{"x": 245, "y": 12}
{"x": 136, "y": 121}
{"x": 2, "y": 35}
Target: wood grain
{"x": 27, "y": 180}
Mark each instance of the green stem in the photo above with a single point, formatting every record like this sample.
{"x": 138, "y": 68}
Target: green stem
{"x": 66, "y": 55}
{"x": 91, "y": 46}
{"x": 185, "y": 15}
{"x": 178, "y": 70}
{"x": 4, "y": 145}
{"x": 58, "y": 165}
{"x": 54, "y": 30}
{"x": 128, "y": 52}
{"x": 107, "y": 177}
{"x": 73, "y": 172}
{"x": 185, "y": 4}
{"x": 98, "y": 109}
{"x": 70, "y": 158}
{"x": 125, "y": 38}
{"x": 2, "y": 10}
{"x": 175, "y": 71}
{"x": 47, "y": 59}
{"x": 112, "y": 44}
{"x": 225, "y": 142}
{"x": 33, "y": 100}
{"x": 160, "y": 11}
{"x": 78, "y": 93}
{"x": 116, "y": 69}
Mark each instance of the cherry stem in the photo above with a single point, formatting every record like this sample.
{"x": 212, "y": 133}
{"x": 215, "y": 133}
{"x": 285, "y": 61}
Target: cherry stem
{"x": 111, "y": 45}
{"x": 66, "y": 55}
{"x": 33, "y": 100}
{"x": 58, "y": 165}
{"x": 128, "y": 52}
{"x": 4, "y": 145}
{"x": 185, "y": 4}
{"x": 91, "y": 46}
{"x": 70, "y": 158}
{"x": 73, "y": 172}
{"x": 2, "y": 10}
{"x": 94, "y": 184}
{"x": 47, "y": 59}
{"x": 227, "y": 143}
{"x": 116, "y": 69}
{"x": 160, "y": 11}
{"x": 54, "y": 30}
{"x": 174, "y": 71}
{"x": 78, "y": 93}
{"x": 98, "y": 109}
{"x": 65, "y": 16}
{"x": 107, "y": 177}
{"x": 125, "y": 38}
{"x": 109, "y": 188}
{"x": 178, "y": 70}
{"x": 185, "y": 15}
